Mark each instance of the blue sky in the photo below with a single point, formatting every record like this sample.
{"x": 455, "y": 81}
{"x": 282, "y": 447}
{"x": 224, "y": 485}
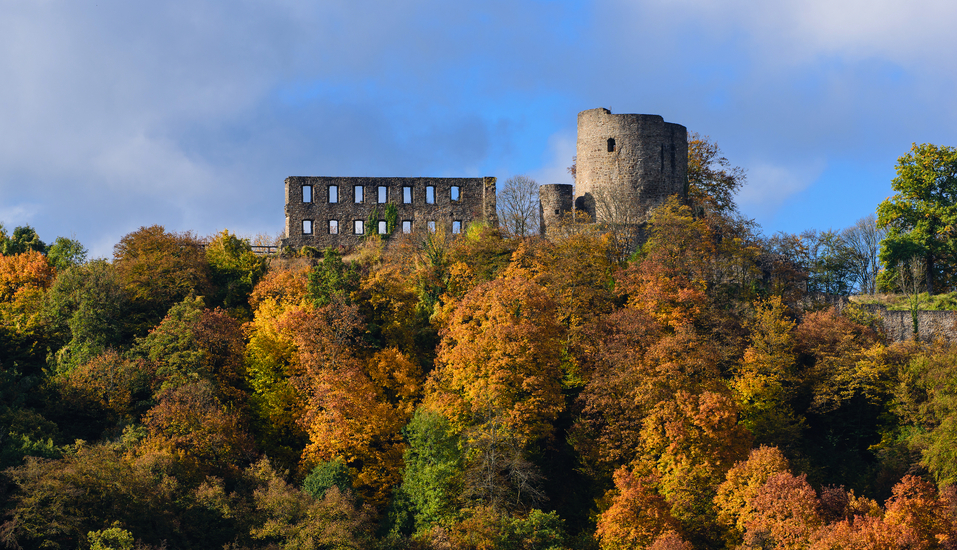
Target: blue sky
{"x": 190, "y": 114}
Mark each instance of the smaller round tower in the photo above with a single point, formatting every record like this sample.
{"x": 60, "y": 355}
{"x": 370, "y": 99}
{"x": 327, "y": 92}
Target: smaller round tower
{"x": 555, "y": 202}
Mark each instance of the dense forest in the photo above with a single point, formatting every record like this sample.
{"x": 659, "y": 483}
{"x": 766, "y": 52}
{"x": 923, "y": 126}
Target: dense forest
{"x": 477, "y": 391}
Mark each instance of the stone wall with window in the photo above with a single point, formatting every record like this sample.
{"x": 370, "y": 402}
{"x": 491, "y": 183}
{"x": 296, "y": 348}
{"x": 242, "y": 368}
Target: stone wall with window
{"x": 340, "y": 211}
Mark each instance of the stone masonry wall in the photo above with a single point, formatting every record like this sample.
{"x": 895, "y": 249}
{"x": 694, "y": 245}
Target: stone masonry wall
{"x": 313, "y": 219}
{"x": 555, "y": 201}
{"x": 633, "y": 161}
{"x": 899, "y": 325}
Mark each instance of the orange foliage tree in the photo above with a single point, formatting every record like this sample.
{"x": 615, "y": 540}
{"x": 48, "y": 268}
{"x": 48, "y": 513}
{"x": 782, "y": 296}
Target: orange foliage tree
{"x": 354, "y": 406}
{"x": 24, "y": 279}
{"x": 637, "y": 515}
{"x": 500, "y": 358}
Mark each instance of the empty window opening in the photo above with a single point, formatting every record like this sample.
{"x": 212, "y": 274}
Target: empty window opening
{"x": 431, "y": 226}
{"x": 333, "y": 227}
{"x": 306, "y": 193}
{"x": 358, "y": 227}
{"x": 383, "y": 227}
{"x": 357, "y": 192}
{"x": 407, "y": 226}
{"x": 383, "y": 194}
{"x": 406, "y": 195}
{"x": 307, "y": 227}
{"x": 333, "y": 194}
{"x": 454, "y": 193}
{"x": 611, "y": 145}
{"x": 430, "y": 195}
{"x": 456, "y": 227}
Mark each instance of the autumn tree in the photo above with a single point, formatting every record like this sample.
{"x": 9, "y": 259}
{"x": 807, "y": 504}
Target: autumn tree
{"x": 734, "y": 499}
{"x": 24, "y": 280}
{"x": 921, "y": 217}
{"x": 192, "y": 424}
{"x": 271, "y": 362}
{"x": 638, "y": 515}
{"x": 712, "y": 181}
{"x": 500, "y": 359}
{"x": 234, "y": 271}
{"x": 193, "y": 343}
{"x": 785, "y": 514}
{"x": 354, "y": 406}
{"x": 159, "y": 269}
{"x": 765, "y": 380}
{"x": 498, "y": 381}
{"x": 926, "y": 400}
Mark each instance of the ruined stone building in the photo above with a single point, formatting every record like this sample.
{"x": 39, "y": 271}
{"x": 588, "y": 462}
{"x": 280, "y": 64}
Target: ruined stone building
{"x": 627, "y": 165}
{"x": 340, "y": 211}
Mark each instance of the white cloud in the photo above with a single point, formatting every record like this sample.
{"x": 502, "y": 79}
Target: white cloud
{"x": 770, "y": 185}
{"x": 561, "y": 149}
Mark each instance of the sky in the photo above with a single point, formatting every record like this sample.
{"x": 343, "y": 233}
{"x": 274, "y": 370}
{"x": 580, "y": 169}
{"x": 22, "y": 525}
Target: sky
{"x": 191, "y": 113}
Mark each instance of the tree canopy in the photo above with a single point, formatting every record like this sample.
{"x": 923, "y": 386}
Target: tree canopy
{"x": 921, "y": 217}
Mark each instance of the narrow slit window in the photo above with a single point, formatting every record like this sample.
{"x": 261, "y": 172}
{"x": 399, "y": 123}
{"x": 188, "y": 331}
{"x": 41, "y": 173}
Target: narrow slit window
{"x": 456, "y": 227}
{"x": 357, "y": 192}
{"x": 358, "y": 227}
{"x": 406, "y": 195}
{"x": 407, "y": 226}
{"x": 306, "y": 193}
{"x": 431, "y": 226}
{"x": 307, "y": 227}
{"x": 454, "y": 193}
{"x": 430, "y": 195}
{"x": 383, "y": 194}
{"x": 333, "y": 227}
{"x": 611, "y": 145}
{"x": 333, "y": 194}
{"x": 383, "y": 227}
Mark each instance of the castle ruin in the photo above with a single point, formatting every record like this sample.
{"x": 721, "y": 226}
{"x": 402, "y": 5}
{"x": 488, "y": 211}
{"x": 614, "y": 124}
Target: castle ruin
{"x": 627, "y": 165}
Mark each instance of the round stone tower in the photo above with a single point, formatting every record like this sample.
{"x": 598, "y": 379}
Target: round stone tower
{"x": 555, "y": 201}
{"x": 627, "y": 165}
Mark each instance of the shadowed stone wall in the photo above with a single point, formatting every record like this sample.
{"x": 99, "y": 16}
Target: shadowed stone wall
{"x": 555, "y": 201}
{"x": 324, "y": 211}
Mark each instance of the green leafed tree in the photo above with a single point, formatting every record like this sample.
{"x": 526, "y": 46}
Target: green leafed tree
{"x": 64, "y": 253}
{"x": 921, "y": 217}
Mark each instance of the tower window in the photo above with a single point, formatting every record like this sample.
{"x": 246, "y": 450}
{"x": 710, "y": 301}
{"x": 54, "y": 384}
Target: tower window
{"x": 357, "y": 191}
{"x": 430, "y": 195}
{"x": 454, "y": 193}
{"x": 307, "y": 227}
{"x": 383, "y": 227}
{"x": 333, "y": 194}
{"x": 306, "y": 193}
{"x": 383, "y": 194}
{"x": 407, "y": 226}
{"x": 333, "y": 227}
{"x": 358, "y": 227}
{"x": 431, "y": 226}
{"x": 456, "y": 227}
{"x": 406, "y": 195}
{"x": 611, "y": 145}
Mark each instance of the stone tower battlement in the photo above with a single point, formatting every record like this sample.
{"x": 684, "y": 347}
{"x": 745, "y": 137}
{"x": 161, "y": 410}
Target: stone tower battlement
{"x": 628, "y": 165}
